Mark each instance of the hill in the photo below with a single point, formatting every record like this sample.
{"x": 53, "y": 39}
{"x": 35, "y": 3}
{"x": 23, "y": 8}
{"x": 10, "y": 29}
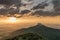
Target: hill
{"x": 39, "y": 29}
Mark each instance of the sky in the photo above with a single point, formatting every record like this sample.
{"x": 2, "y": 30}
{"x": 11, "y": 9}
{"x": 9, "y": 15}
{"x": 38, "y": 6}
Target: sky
{"x": 47, "y": 10}
{"x": 28, "y": 5}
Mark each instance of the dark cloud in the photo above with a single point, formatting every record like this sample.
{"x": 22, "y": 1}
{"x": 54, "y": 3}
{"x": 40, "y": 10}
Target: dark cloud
{"x": 8, "y": 11}
{"x": 9, "y": 2}
{"x": 3, "y": 11}
{"x": 45, "y": 13}
{"x": 40, "y": 6}
{"x": 29, "y": 0}
{"x": 56, "y": 5}
{"x": 6, "y": 2}
{"x": 25, "y": 11}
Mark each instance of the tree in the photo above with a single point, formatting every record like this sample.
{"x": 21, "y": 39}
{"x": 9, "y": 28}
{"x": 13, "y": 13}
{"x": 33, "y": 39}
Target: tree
{"x": 28, "y": 36}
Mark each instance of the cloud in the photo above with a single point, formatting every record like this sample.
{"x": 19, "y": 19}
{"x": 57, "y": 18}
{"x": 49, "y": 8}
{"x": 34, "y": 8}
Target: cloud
{"x": 25, "y": 11}
{"x": 43, "y": 8}
{"x": 39, "y": 7}
{"x": 8, "y": 2}
{"x": 56, "y": 5}
{"x": 2, "y": 7}
{"x": 45, "y": 13}
{"x": 26, "y": 1}
{"x": 38, "y": 4}
{"x": 50, "y": 8}
{"x": 9, "y": 6}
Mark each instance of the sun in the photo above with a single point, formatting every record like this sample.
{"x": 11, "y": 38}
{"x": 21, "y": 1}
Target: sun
{"x": 12, "y": 19}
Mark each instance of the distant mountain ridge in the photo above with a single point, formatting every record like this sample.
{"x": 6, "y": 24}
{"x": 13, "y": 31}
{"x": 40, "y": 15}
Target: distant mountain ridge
{"x": 49, "y": 33}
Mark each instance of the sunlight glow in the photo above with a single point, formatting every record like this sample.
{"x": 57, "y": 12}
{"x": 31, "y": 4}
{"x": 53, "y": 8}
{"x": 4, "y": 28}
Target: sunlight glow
{"x": 12, "y": 19}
